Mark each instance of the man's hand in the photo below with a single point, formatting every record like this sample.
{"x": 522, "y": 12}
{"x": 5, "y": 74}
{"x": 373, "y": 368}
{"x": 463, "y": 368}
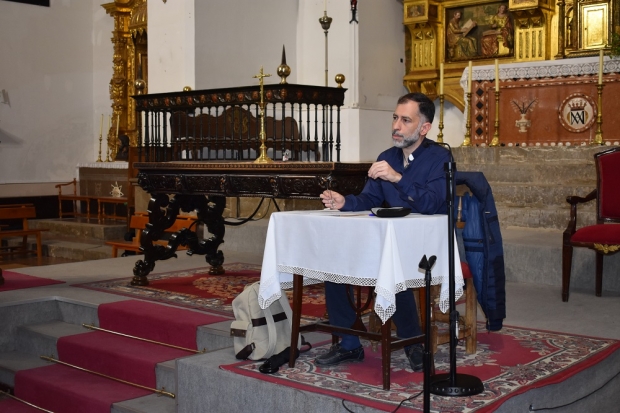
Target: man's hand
{"x": 332, "y": 199}
{"x": 383, "y": 170}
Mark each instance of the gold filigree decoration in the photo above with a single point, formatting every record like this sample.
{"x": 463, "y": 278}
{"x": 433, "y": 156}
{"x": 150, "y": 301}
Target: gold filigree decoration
{"x": 606, "y": 249}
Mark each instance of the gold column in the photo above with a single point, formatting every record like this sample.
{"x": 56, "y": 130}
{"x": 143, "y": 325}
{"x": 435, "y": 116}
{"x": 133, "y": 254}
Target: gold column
{"x": 129, "y": 17}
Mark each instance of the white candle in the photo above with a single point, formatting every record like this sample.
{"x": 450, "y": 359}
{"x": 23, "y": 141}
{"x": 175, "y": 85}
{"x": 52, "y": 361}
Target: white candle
{"x": 600, "y": 67}
{"x": 469, "y": 78}
{"x": 441, "y": 78}
{"x": 118, "y": 120}
{"x": 496, "y": 75}
{"x": 325, "y": 6}
{"x": 101, "y": 125}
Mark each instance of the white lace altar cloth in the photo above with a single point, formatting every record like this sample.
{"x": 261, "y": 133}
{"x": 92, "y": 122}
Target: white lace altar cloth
{"x": 357, "y": 248}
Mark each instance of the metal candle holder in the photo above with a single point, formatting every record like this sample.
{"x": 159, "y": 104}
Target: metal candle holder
{"x": 495, "y": 141}
{"x": 263, "y": 158}
{"x": 598, "y": 138}
{"x": 440, "y": 134}
{"x": 325, "y": 23}
{"x": 467, "y": 140}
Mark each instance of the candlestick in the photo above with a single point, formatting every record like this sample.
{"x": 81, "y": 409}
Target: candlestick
{"x": 598, "y": 137}
{"x": 100, "y": 138}
{"x": 441, "y": 78}
{"x": 600, "y": 67}
{"x": 495, "y": 140}
{"x": 469, "y": 78}
{"x": 467, "y": 140}
{"x": 496, "y": 75}
{"x": 107, "y": 150}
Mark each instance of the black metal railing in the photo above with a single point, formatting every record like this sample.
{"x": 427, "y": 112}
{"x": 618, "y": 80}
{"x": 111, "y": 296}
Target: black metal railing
{"x": 301, "y": 123}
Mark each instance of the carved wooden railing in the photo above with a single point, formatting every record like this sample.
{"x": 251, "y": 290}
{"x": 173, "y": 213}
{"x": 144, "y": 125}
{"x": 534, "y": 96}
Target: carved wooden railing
{"x": 302, "y": 123}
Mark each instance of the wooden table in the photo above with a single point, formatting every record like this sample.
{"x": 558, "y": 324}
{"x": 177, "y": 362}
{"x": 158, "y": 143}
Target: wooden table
{"x": 203, "y": 186}
{"x": 379, "y": 252}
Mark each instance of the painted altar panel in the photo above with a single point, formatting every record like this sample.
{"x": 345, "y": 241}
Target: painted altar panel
{"x": 559, "y": 101}
{"x": 479, "y": 32}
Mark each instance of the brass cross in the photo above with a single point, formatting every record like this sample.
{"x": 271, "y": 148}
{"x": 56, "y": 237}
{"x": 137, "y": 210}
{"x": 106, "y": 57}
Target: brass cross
{"x": 260, "y": 78}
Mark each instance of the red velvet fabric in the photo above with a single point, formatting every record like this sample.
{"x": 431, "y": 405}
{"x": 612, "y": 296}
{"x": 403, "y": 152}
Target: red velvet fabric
{"x": 121, "y": 357}
{"x": 63, "y": 389}
{"x": 608, "y": 234}
{"x": 609, "y": 184}
{"x": 16, "y": 281}
{"x": 156, "y": 322}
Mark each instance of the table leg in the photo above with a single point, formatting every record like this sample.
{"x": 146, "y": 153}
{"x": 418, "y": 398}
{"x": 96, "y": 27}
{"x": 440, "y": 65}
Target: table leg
{"x": 386, "y": 352}
{"x": 298, "y": 285}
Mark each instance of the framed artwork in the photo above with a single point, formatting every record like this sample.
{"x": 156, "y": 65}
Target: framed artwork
{"x": 479, "y": 32}
{"x": 416, "y": 11}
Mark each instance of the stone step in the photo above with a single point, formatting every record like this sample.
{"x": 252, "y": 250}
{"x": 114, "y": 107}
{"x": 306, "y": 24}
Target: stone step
{"x": 40, "y": 339}
{"x": 152, "y": 403}
{"x": 13, "y": 361}
{"x": 568, "y": 174}
{"x": 540, "y": 217}
{"x": 83, "y": 228}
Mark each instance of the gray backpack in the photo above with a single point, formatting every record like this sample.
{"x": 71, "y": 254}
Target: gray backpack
{"x": 257, "y": 333}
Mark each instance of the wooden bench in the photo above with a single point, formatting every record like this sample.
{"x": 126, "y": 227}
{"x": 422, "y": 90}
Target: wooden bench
{"x": 138, "y": 223}
{"x": 18, "y": 212}
{"x": 75, "y": 198}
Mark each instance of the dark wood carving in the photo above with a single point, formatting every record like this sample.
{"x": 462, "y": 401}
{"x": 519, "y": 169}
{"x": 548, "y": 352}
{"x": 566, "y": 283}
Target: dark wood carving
{"x": 204, "y": 186}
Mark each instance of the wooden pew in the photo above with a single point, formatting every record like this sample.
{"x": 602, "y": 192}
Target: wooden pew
{"x": 138, "y": 223}
{"x": 16, "y": 212}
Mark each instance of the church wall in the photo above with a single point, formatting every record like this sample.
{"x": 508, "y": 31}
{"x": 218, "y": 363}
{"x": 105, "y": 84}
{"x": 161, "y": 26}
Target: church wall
{"x": 234, "y": 38}
{"x": 171, "y": 45}
{"x": 55, "y": 66}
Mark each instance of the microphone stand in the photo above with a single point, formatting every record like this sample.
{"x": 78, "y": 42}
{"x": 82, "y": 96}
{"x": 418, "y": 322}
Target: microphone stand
{"x": 453, "y": 384}
{"x": 426, "y": 265}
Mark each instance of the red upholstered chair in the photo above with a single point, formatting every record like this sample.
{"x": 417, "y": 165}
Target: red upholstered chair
{"x": 604, "y": 236}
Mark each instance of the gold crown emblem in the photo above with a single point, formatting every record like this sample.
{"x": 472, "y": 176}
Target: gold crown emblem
{"x": 577, "y": 104}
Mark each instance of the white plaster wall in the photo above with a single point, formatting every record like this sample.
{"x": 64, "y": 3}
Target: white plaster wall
{"x": 171, "y": 45}
{"x": 49, "y": 70}
{"x": 234, "y": 38}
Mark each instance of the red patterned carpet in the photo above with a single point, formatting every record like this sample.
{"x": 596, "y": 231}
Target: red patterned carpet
{"x": 197, "y": 289}
{"x": 509, "y": 362}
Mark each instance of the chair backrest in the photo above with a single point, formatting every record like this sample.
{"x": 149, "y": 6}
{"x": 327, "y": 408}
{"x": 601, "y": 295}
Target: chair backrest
{"x": 608, "y": 185}
{"x": 74, "y": 183}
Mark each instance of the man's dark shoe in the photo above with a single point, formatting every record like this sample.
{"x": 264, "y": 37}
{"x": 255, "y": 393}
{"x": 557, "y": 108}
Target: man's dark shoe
{"x": 336, "y": 355}
{"x": 415, "y": 354}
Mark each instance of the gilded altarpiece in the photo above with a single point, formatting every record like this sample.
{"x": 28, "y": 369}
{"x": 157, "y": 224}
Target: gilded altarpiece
{"x": 455, "y": 32}
{"x": 130, "y": 66}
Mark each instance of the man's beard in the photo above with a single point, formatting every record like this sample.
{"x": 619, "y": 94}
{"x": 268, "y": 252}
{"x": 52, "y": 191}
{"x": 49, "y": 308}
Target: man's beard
{"x": 407, "y": 140}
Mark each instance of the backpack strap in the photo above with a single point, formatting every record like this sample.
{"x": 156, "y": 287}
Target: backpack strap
{"x": 271, "y": 325}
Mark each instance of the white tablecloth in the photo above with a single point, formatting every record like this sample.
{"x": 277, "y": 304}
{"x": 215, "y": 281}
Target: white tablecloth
{"x": 356, "y": 248}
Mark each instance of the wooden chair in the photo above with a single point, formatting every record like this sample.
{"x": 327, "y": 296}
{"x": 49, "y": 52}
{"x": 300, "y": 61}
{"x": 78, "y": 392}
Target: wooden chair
{"x": 440, "y": 322}
{"x": 21, "y": 212}
{"x": 75, "y": 198}
{"x": 604, "y": 236}
{"x": 138, "y": 223}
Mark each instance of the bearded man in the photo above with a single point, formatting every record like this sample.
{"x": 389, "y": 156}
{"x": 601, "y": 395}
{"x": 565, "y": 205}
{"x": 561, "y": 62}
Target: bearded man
{"x": 410, "y": 174}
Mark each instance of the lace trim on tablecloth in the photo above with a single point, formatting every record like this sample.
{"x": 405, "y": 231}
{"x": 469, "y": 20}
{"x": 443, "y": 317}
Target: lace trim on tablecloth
{"x": 314, "y": 277}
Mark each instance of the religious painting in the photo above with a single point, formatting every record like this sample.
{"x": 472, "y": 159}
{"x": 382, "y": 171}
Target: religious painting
{"x": 523, "y": 4}
{"x": 416, "y": 11}
{"x": 479, "y": 32}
